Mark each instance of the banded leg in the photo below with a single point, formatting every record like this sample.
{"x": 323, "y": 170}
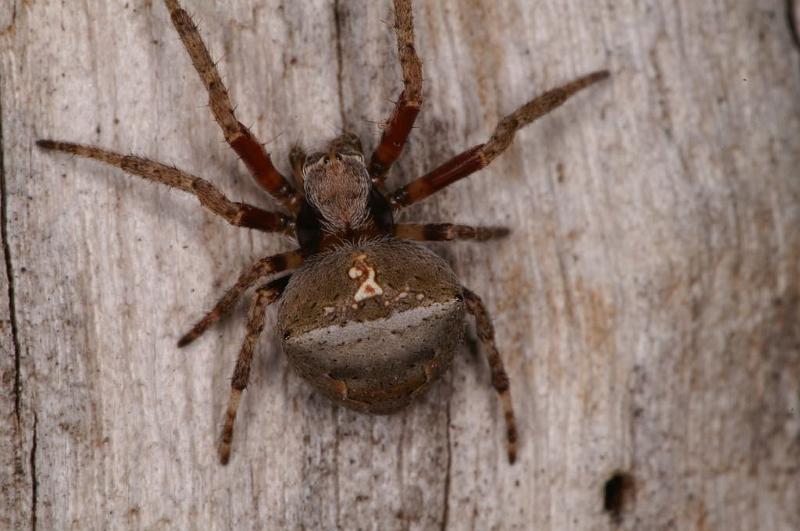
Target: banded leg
{"x": 265, "y": 296}
{"x": 439, "y": 232}
{"x": 483, "y": 324}
{"x": 239, "y": 214}
{"x": 266, "y": 266}
{"x": 237, "y": 135}
{"x": 481, "y": 155}
{"x": 407, "y": 108}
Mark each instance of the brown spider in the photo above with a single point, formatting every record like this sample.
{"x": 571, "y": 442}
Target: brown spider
{"x": 368, "y": 317}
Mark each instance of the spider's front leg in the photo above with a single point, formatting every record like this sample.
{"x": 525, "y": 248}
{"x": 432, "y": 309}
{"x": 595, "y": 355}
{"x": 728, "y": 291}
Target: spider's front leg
{"x": 407, "y": 108}
{"x": 481, "y": 155}
{"x": 239, "y": 214}
{"x": 236, "y": 134}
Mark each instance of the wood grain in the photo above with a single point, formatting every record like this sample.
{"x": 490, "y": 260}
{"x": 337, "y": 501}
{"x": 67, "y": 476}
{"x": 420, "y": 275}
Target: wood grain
{"x": 647, "y": 303}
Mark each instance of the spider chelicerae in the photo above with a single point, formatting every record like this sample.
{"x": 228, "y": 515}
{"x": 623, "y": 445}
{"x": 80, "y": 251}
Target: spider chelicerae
{"x": 367, "y": 316}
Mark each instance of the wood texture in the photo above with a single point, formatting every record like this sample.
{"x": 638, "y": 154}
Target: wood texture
{"x": 647, "y": 303}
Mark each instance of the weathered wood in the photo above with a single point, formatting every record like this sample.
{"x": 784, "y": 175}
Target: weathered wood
{"x": 647, "y": 303}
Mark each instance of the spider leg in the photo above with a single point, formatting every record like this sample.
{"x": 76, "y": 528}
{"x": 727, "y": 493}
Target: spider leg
{"x": 439, "y": 232}
{"x": 485, "y": 329}
{"x": 239, "y": 214}
{"x": 266, "y": 266}
{"x": 481, "y": 155}
{"x": 405, "y": 112}
{"x": 265, "y": 296}
{"x": 297, "y": 157}
{"x": 237, "y": 135}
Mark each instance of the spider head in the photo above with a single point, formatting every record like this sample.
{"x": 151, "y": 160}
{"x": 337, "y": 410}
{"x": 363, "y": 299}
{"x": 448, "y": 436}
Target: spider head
{"x": 338, "y": 185}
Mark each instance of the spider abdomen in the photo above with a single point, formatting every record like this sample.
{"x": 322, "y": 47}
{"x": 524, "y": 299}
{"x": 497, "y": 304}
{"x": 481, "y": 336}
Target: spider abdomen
{"x": 371, "y": 325}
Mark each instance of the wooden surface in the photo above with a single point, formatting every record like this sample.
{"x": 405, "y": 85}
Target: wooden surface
{"x": 647, "y": 304}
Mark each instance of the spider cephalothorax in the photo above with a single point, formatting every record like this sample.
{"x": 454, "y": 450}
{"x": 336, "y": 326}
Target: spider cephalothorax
{"x": 337, "y": 184}
{"x": 368, "y": 316}
{"x": 341, "y": 201}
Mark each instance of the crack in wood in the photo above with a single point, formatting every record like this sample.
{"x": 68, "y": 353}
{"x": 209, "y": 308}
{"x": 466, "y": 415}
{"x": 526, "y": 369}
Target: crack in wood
{"x": 448, "y": 468}
{"x": 337, "y": 497}
{"x": 12, "y": 311}
{"x": 32, "y": 467}
{"x": 9, "y": 274}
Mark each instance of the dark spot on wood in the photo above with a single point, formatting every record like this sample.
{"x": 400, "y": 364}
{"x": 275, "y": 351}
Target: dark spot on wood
{"x": 618, "y": 494}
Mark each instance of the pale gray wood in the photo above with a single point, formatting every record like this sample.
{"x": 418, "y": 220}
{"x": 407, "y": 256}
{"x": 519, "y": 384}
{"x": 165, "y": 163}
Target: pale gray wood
{"x": 16, "y": 417}
{"x": 647, "y": 304}
{"x": 18, "y": 425}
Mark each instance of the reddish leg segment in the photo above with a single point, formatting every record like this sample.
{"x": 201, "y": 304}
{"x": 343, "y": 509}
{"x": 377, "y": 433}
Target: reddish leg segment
{"x": 265, "y": 296}
{"x": 481, "y": 155}
{"x": 405, "y": 112}
{"x": 236, "y": 134}
{"x": 485, "y": 329}
{"x": 266, "y": 266}
{"x": 239, "y": 214}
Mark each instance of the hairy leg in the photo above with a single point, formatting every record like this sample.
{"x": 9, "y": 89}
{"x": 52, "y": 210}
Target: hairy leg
{"x": 237, "y": 135}
{"x": 437, "y": 232}
{"x": 483, "y": 324}
{"x": 239, "y": 214}
{"x": 297, "y": 157}
{"x": 266, "y": 266}
{"x": 407, "y": 108}
{"x": 481, "y": 155}
{"x": 265, "y": 296}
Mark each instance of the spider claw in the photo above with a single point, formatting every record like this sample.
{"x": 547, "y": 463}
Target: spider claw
{"x": 512, "y": 455}
{"x": 196, "y": 331}
{"x": 185, "y": 340}
{"x": 224, "y": 453}
{"x": 46, "y": 144}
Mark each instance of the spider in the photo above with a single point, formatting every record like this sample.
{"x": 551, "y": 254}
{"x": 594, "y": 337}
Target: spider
{"x": 369, "y": 317}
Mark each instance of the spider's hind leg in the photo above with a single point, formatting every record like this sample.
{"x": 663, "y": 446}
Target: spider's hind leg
{"x": 265, "y": 296}
{"x": 266, "y": 266}
{"x": 485, "y": 329}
